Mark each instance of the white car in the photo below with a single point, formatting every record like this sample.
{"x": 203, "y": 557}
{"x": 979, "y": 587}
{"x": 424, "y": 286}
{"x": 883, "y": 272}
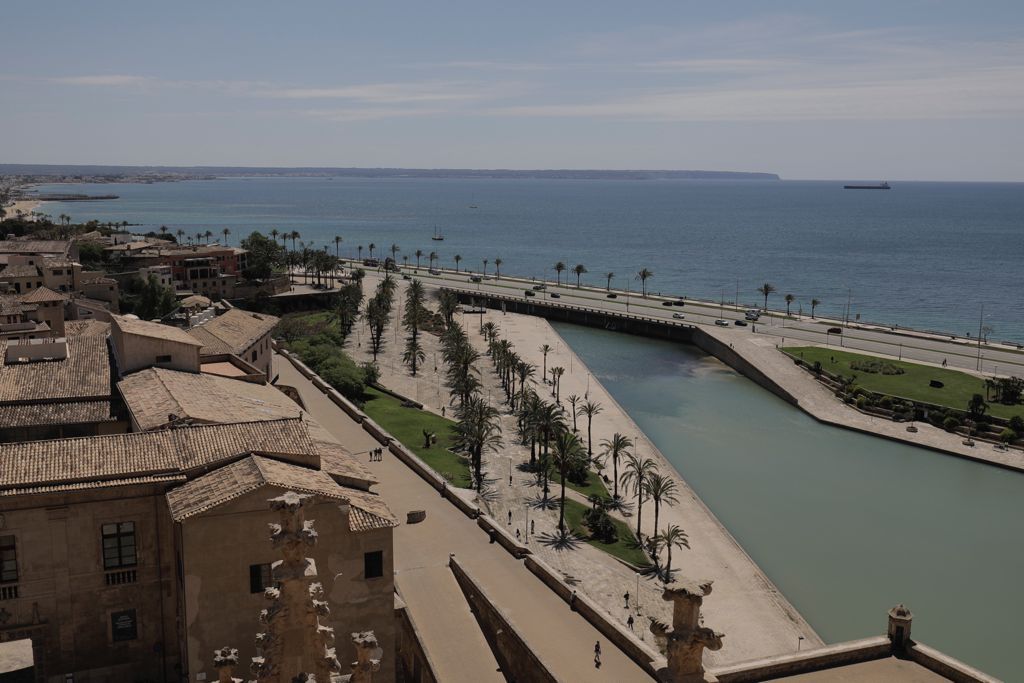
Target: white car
{"x": 722, "y": 322}
{"x": 679, "y": 316}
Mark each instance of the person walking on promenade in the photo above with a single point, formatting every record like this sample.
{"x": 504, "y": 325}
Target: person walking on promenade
{"x": 626, "y": 598}
{"x": 629, "y": 622}
{"x": 531, "y": 527}
{"x": 517, "y": 533}
{"x": 597, "y": 654}
{"x": 510, "y": 518}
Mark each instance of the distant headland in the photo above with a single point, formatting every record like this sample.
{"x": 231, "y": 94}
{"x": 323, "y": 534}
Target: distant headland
{"x": 100, "y": 174}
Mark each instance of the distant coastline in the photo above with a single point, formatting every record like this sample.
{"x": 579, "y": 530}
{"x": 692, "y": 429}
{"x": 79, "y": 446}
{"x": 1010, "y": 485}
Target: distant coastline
{"x": 148, "y": 174}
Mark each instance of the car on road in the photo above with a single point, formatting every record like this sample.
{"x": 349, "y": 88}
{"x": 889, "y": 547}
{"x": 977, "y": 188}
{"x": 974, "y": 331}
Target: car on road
{"x": 753, "y": 314}
{"x": 474, "y": 278}
{"x": 406, "y": 276}
{"x": 835, "y": 330}
{"x": 679, "y": 302}
{"x": 539, "y": 288}
{"x": 678, "y": 316}
{"x": 435, "y": 271}
{"x": 530, "y": 292}
{"x": 740, "y": 323}
{"x": 721, "y": 322}
{"x": 612, "y": 296}
{"x": 666, "y": 303}
{"x": 555, "y": 295}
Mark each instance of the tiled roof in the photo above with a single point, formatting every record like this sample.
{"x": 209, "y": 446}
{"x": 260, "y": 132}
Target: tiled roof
{"x": 67, "y": 413}
{"x": 10, "y": 304}
{"x": 154, "y": 394}
{"x": 170, "y": 451}
{"x": 43, "y": 295}
{"x": 144, "y": 328}
{"x": 233, "y": 332}
{"x": 80, "y": 485}
{"x": 19, "y": 270}
{"x": 85, "y": 373}
{"x": 224, "y": 484}
{"x": 34, "y": 246}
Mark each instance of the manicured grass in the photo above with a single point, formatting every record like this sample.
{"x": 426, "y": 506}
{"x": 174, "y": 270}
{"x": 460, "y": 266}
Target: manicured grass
{"x": 594, "y": 485}
{"x": 407, "y": 425}
{"x": 624, "y": 548}
{"x": 912, "y": 384}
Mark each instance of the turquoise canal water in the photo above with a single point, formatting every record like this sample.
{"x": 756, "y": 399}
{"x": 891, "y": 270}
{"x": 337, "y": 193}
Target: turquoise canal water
{"x": 922, "y": 254}
{"x": 846, "y": 525}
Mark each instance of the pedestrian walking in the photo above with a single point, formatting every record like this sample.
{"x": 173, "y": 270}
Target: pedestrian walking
{"x": 510, "y": 518}
{"x": 531, "y": 527}
{"x": 626, "y": 598}
{"x": 442, "y": 411}
{"x": 629, "y": 622}
{"x": 572, "y": 601}
{"x": 517, "y": 533}
{"x": 444, "y": 487}
{"x": 597, "y": 654}
{"x": 943, "y": 362}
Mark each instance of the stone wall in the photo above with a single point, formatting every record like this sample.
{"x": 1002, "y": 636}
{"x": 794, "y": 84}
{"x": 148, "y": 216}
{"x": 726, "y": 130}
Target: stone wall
{"x": 413, "y": 664}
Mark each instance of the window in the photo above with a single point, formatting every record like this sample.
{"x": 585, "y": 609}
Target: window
{"x": 373, "y": 564}
{"x": 260, "y": 577}
{"x": 119, "y": 545}
{"x": 253, "y": 356}
{"x": 8, "y": 560}
{"x": 123, "y": 625}
{"x": 163, "y": 359}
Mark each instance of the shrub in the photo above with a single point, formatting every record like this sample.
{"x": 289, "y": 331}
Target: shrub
{"x": 600, "y": 525}
{"x": 875, "y": 367}
{"x": 862, "y": 402}
{"x": 886, "y": 402}
{"x": 1007, "y": 435}
{"x": 950, "y": 423}
{"x": 1017, "y": 424}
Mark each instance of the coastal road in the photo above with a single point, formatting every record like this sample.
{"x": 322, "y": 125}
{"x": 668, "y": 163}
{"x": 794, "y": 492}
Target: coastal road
{"x": 901, "y": 343}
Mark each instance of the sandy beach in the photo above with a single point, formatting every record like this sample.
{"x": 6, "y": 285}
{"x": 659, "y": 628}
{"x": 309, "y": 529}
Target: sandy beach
{"x": 26, "y": 206}
{"x": 756, "y": 618}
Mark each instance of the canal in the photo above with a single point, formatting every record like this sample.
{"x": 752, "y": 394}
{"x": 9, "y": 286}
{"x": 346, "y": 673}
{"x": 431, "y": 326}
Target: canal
{"x": 846, "y": 525}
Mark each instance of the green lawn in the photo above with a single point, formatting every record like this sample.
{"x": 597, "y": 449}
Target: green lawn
{"x": 407, "y": 425}
{"x": 624, "y": 548}
{"x": 912, "y": 384}
{"x": 593, "y": 486}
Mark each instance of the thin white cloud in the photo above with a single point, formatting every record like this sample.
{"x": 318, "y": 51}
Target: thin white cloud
{"x": 108, "y": 80}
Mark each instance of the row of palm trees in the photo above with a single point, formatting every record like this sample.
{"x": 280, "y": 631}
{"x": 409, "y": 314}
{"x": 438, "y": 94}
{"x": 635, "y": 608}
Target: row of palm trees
{"x": 768, "y": 289}
{"x": 579, "y": 269}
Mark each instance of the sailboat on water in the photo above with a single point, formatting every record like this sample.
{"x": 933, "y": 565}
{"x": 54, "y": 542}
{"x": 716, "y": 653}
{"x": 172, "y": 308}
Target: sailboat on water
{"x": 438, "y": 237}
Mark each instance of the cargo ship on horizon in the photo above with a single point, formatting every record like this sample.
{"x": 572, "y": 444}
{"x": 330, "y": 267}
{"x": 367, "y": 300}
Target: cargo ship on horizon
{"x": 880, "y": 186}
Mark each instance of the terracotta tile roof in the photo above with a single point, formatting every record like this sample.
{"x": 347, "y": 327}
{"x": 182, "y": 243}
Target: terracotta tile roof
{"x": 19, "y": 270}
{"x": 224, "y": 484}
{"x": 144, "y": 328}
{"x": 233, "y": 332}
{"x": 85, "y": 373}
{"x": 81, "y": 485}
{"x": 68, "y": 413}
{"x": 170, "y": 451}
{"x": 43, "y": 295}
{"x": 10, "y": 304}
{"x": 154, "y": 394}
{"x": 34, "y": 246}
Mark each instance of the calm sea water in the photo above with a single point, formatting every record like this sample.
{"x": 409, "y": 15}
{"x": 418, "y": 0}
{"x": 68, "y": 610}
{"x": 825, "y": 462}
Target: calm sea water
{"x": 922, "y": 254}
{"x": 845, "y": 524}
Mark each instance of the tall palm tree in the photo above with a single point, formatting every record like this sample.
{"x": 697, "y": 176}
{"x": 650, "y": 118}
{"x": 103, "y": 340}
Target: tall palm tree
{"x": 673, "y": 537}
{"x": 643, "y": 276}
{"x": 637, "y": 472}
{"x": 609, "y": 277}
{"x": 545, "y": 349}
{"x": 179, "y": 233}
{"x": 789, "y": 300}
{"x": 337, "y": 244}
{"x": 294, "y": 234}
{"x": 360, "y": 252}
{"x": 478, "y": 429}
{"x": 226, "y": 232}
{"x": 394, "y": 250}
{"x": 567, "y": 452}
{"x": 274, "y": 232}
{"x": 485, "y": 267}
{"x": 497, "y": 268}
{"x": 163, "y": 230}
{"x": 419, "y": 254}
{"x": 814, "y": 304}
{"x": 199, "y": 237}
{"x": 617, "y": 447}
{"x": 559, "y": 269}
{"x": 574, "y": 401}
{"x": 458, "y": 259}
{"x": 557, "y": 373}
{"x": 662, "y": 489}
{"x": 549, "y": 421}
{"x": 208, "y": 234}
{"x": 590, "y": 409}
{"x": 766, "y": 289}
{"x": 432, "y": 257}
{"x": 371, "y": 247}
{"x": 579, "y": 269}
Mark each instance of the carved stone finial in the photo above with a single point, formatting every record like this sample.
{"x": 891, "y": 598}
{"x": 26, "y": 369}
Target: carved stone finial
{"x": 686, "y": 641}
{"x": 224, "y": 661}
{"x": 368, "y": 656}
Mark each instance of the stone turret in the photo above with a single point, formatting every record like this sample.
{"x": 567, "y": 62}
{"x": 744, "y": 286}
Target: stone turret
{"x": 686, "y": 640}
{"x": 900, "y": 619}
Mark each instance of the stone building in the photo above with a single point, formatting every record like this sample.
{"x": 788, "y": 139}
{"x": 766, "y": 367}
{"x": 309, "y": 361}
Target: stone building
{"x": 141, "y": 344}
{"x": 134, "y": 556}
{"x": 242, "y": 333}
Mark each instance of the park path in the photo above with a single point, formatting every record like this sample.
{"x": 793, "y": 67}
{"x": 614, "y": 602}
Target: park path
{"x": 562, "y": 638}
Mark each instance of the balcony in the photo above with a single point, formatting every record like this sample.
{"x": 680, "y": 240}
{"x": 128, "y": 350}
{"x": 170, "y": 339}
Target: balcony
{"x": 122, "y": 577}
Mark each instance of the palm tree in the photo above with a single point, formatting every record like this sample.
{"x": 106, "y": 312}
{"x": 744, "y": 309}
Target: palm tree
{"x": 432, "y": 257}
{"x": 789, "y": 298}
{"x": 274, "y": 232}
{"x": 545, "y": 349}
{"x": 662, "y": 489}
{"x": 163, "y": 230}
{"x": 226, "y": 232}
{"x": 199, "y": 237}
{"x": 590, "y": 409}
{"x": 673, "y": 537}
{"x": 643, "y": 276}
{"x": 558, "y": 372}
{"x": 616, "y": 447}
{"x": 294, "y": 235}
{"x": 497, "y": 268}
{"x": 419, "y": 254}
{"x": 549, "y": 421}
{"x": 638, "y": 470}
{"x": 394, "y": 250}
{"x": 814, "y": 304}
{"x": 485, "y": 267}
{"x": 360, "y": 251}
{"x": 559, "y": 269}
{"x": 579, "y": 269}
{"x": 371, "y": 247}
{"x": 478, "y": 429}
{"x": 208, "y": 234}
{"x": 766, "y": 289}
{"x": 337, "y": 244}
{"x": 574, "y": 401}
{"x": 609, "y": 277}
{"x": 567, "y": 452}
{"x": 179, "y": 233}
{"x": 458, "y": 258}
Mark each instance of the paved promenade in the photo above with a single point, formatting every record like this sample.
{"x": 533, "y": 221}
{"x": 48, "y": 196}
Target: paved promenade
{"x": 561, "y": 637}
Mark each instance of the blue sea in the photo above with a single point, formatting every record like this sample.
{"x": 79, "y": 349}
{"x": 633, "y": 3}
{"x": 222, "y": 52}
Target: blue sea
{"x": 926, "y": 255}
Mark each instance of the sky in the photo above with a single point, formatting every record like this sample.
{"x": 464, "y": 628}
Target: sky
{"x": 913, "y": 89}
